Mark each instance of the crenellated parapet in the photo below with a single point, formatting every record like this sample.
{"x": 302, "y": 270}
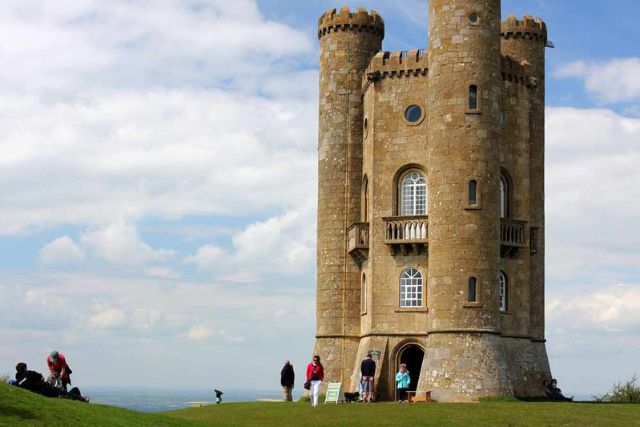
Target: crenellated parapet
{"x": 515, "y": 72}
{"x": 397, "y": 64}
{"x": 528, "y": 28}
{"x": 345, "y": 20}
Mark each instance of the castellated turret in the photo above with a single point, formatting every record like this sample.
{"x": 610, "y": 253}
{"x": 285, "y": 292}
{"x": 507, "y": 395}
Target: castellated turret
{"x": 431, "y": 203}
{"x": 347, "y": 43}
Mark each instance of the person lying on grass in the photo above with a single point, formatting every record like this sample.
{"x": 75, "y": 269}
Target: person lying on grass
{"x": 34, "y": 382}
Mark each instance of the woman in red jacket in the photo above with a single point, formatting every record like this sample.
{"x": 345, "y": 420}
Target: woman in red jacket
{"x": 315, "y": 375}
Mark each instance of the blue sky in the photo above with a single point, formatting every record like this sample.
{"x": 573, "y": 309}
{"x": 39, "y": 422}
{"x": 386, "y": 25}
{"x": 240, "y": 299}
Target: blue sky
{"x": 157, "y": 220}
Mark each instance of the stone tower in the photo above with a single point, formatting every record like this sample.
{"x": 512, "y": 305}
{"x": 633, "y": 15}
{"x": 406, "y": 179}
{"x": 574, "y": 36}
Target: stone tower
{"x": 431, "y": 203}
{"x": 464, "y": 237}
{"x": 347, "y": 43}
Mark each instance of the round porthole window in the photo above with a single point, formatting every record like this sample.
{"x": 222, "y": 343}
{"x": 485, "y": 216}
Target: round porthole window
{"x": 473, "y": 18}
{"x": 413, "y": 113}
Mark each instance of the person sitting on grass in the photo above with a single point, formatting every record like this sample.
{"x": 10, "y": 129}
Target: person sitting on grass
{"x": 554, "y": 393}
{"x": 403, "y": 380}
{"x": 34, "y": 382}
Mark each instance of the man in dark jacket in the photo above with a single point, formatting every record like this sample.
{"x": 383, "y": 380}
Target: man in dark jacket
{"x": 287, "y": 378}
{"x": 368, "y": 372}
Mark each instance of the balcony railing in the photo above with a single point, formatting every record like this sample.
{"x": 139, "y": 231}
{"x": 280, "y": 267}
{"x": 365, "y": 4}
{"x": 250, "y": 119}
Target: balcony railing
{"x": 512, "y": 232}
{"x": 407, "y": 233}
{"x": 512, "y": 236}
{"x": 358, "y": 243}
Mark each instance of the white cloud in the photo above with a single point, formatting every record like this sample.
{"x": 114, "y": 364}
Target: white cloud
{"x": 608, "y": 308}
{"x": 203, "y": 333}
{"x": 208, "y": 257}
{"x": 198, "y": 333}
{"x": 68, "y": 47}
{"x": 123, "y": 114}
{"x": 166, "y": 154}
{"x": 162, "y": 272}
{"x": 62, "y": 250}
{"x": 592, "y": 195}
{"x": 283, "y": 245}
{"x": 107, "y": 318}
{"x": 44, "y": 299}
{"x": 611, "y": 81}
{"x": 119, "y": 243}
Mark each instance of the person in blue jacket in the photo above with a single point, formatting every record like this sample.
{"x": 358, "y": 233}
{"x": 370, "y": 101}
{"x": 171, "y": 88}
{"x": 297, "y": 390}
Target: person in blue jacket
{"x": 403, "y": 380}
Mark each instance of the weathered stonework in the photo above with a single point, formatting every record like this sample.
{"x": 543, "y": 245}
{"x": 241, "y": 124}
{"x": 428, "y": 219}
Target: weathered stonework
{"x": 467, "y": 349}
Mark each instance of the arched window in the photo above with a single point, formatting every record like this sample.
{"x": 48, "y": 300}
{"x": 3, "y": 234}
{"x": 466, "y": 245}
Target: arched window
{"x": 473, "y": 192}
{"x": 363, "y": 294}
{"x": 413, "y": 194}
{"x": 472, "y": 294}
{"x": 504, "y": 197}
{"x": 411, "y": 288}
{"x": 504, "y": 292}
{"x": 473, "y": 97}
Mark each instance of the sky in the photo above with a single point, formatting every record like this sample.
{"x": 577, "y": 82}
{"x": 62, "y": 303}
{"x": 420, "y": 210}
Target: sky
{"x": 158, "y": 186}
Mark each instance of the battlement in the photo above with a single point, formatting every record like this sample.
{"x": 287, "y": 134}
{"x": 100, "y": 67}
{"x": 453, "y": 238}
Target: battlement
{"x": 515, "y": 72}
{"x": 527, "y": 28}
{"x": 345, "y": 20}
{"x": 397, "y": 64}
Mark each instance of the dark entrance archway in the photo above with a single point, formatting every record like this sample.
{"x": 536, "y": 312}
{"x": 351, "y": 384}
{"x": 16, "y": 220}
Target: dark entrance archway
{"x": 412, "y": 355}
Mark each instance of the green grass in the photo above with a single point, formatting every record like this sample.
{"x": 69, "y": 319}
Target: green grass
{"x": 23, "y": 408}
{"x": 489, "y": 413}
{"x": 18, "y": 407}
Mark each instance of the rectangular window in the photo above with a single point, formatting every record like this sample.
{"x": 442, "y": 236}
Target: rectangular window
{"x": 411, "y": 289}
{"x": 473, "y": 97}
{"x": 472, "y": 294}
{"x": 473, "y": 192}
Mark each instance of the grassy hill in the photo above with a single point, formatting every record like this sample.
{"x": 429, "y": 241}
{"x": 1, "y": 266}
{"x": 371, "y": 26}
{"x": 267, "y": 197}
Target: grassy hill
{"x": 18, "y": 407}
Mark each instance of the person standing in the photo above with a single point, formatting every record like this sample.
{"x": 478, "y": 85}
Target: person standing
{"x": 368, "y": 371}
{"x": 287, "y": 379}
{"x": 315, "y": 376}
{"x": 58, "y": 370}
{"x": 403, "y": 380}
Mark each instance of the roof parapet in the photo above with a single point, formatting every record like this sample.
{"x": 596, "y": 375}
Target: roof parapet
{"x": 361, "y": 20}
{"x": 397, "y": 64}
{"x": 528, "y": 28}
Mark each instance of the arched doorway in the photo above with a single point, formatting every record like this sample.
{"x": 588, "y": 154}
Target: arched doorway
{"x": 412, "y": 356}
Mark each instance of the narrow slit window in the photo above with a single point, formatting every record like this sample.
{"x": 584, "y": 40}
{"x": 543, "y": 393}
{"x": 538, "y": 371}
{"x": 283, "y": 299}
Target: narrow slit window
{"x": 473, "y": 290}
{"x": 363, "y": 295}
{"x": 473, "y": 97}
{"x": 473, "y": 192}
{"x": 533, "y": 240}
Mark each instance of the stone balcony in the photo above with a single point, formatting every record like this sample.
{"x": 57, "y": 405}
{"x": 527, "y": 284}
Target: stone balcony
{"x": 407, "y": 234}
{"x": 410, "y": 235}
{"x": 512, "y": 237}
{"x": 358, "y": 241}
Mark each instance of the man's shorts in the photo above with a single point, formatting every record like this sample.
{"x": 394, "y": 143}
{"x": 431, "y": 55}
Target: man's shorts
{"x": 367, "y": 384}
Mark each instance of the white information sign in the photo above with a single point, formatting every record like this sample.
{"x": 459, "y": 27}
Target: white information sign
{"x": 334, "y": 393}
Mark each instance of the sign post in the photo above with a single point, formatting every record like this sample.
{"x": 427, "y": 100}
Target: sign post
{"x": 334, "y": 393}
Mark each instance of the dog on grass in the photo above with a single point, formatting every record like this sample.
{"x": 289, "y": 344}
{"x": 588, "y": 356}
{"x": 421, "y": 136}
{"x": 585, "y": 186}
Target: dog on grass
{"x": 351, "y": 397}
